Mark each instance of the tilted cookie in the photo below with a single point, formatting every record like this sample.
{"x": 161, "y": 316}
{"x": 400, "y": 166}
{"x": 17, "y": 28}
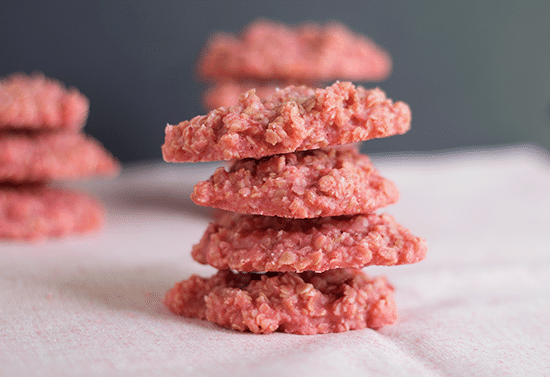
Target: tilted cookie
{"x": 307, "y": 303}
{"x": 261, "y": 243}
{"x": 293, "y": 119}
{"x": 322, "y": 182}
{"x": 36, "y": 102}
{"x": 31, "y": 212}
{"x": 307, "y": 52}
{"x": 39, "y": 157}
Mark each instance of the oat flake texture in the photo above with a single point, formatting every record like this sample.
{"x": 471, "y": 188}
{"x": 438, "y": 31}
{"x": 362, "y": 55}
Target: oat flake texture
{"x": 259, "y": 243}
{"x": 307, "y": 303}
{"x": 293, "y": 119}
{"x": 322, "y": 182}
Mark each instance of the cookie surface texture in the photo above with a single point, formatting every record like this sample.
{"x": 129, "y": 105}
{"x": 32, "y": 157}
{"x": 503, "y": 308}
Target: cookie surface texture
{"x": 307, "y": 303}
{"x": 307, "y": 52}
{"x": 260, "y": 243}
{"x": 40, "y": 157}
{"x": 293, "y": 119}
{"x": 33, "y": 212}
{"x": 322, "y": 182}
{"x": 35, "y": 102}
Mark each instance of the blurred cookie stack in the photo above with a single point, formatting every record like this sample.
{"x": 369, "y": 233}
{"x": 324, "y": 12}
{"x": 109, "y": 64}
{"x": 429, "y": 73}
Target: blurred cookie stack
{"x": 302, "y": 223}
{"x": 41, "y": 141}
{"x": 269, "y": 54}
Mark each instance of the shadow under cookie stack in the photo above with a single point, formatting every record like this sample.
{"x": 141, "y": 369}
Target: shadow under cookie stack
{"x": 41, "y": 141}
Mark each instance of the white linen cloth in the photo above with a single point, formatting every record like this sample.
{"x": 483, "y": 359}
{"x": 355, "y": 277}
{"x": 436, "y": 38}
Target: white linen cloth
{"x": 479, "y": 305}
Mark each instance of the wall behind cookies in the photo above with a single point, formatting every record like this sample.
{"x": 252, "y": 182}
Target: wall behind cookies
{"x": 474, "y": 73}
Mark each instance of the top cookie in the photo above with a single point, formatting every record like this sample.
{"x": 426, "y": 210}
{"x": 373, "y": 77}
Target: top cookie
{"x": 307, "y": 52}
{"x": 293, "y": 119}
{"x": 36, "y": 102}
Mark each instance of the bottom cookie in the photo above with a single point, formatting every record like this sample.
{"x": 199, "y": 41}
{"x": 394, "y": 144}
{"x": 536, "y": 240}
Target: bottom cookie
{"x": 30, "y": 212}
{"x": 301, "y": 303}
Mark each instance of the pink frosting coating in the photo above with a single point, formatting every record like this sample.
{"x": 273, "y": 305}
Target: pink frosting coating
{"x": 306, "y": 303}
{"x": 293, "y": 119}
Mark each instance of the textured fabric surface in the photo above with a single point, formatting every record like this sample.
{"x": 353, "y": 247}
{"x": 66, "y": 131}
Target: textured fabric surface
{"x": 478, "y": 305}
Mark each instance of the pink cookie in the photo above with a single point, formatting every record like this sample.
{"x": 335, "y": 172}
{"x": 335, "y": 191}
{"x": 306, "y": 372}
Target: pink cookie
{"x": 306, "y": 303}
{"x": 293, "y": 119}
{"x": 38, "y": 157}
{"x": 31, "y": 212}
{"x": 322, "y": 182}
{"x": 36, "y": 102}
{"x": 308, "y": 52}
{"x": 259, "y": 243}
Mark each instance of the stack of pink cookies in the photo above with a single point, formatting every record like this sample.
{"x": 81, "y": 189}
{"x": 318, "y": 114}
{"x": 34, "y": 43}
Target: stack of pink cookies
{"x": 41, "y": 140}
{"x": 270, "y": 54}
{"x": 299, "y": 220}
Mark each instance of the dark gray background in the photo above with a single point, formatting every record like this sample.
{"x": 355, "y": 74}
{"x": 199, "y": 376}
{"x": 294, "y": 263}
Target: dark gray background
{"x": 474, "y": 72}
